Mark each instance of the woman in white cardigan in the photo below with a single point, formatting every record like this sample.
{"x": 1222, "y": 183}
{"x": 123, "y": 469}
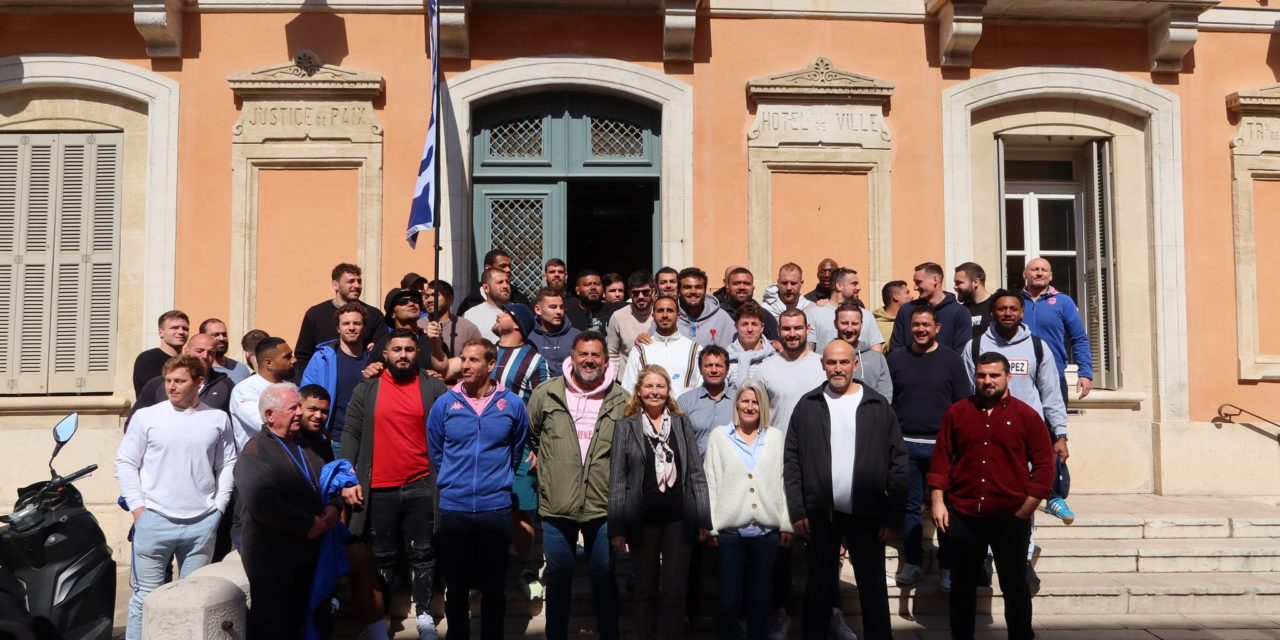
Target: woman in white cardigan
{"x": 748, "y": 510}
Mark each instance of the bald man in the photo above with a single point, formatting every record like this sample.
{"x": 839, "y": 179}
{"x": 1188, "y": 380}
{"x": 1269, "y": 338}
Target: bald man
{"x": 214, "y": 392}
{"x": 1053, "y": 317}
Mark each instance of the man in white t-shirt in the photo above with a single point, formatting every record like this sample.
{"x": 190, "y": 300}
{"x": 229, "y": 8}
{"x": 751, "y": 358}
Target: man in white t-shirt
{"x": 793, "y": 372}
{"x": 174, "y": 469}
{"x": 495, "y": 286}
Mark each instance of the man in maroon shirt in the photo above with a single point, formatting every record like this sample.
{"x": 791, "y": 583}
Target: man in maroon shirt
{"x": 983, "y": 493}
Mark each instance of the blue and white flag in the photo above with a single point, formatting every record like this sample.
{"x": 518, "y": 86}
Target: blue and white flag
{"x": 423, "y": 214}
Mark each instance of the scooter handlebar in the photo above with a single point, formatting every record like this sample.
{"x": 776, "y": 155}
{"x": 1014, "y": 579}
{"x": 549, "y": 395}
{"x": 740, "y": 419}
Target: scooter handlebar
{"x": 58, "y": 483}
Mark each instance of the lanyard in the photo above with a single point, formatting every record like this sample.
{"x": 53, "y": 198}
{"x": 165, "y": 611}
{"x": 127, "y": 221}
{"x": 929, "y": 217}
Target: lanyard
{"x": 299, "y": 462}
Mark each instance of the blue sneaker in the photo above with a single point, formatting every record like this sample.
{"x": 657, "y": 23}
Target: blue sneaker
{"x": 1057, "y": 507}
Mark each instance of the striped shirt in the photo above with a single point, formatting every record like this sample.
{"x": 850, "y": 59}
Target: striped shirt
{"x": 520, "y": 369}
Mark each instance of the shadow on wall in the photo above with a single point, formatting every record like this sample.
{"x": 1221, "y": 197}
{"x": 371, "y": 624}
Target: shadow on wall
{"x": 322, "y": 32}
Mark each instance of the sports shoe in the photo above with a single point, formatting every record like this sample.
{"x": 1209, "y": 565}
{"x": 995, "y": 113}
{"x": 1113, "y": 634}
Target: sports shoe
{"x": 530, "y": 584}
{"x": 426, "y": 627}
{"x": 988, "y": 568}
{"x": 839, "y": 629}
{"x": 944, "y": 580}
{"x": 909, "y": 575}
{"x": 1057, "y": 507}
{"x": 781, "y": 625}
{"x": 1033, "y": 580}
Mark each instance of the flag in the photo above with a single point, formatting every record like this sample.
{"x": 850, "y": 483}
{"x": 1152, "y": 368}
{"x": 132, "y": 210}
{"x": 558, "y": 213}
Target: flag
{"x": 424, "y": 214}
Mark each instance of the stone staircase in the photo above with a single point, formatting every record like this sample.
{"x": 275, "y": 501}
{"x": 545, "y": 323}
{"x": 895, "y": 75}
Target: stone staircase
{"x": 1125, "y": 555}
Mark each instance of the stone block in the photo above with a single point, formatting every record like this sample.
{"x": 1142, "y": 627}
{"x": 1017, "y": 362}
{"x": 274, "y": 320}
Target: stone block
{"x": 1111, "y": 457}
{"x": 196, "y": 608}
{"x": 1243, "y": 462}
{"x": 1187, "y": 528}
{"x": 1097, "y": 556}
{"x": 1255, "y": 527}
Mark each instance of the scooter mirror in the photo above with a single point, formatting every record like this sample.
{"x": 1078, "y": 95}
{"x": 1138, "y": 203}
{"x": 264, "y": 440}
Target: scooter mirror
{"x": 65, "y": 428}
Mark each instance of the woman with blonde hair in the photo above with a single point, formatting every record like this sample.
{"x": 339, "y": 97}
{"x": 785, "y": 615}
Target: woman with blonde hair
{"x": 748, "y": 510}
{"x": 657, "y": 501}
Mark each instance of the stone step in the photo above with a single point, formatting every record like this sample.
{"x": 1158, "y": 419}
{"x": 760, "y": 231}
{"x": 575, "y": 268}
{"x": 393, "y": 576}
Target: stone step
{"x": 1148, "y": 516}
{"x": 1170, "y": 555}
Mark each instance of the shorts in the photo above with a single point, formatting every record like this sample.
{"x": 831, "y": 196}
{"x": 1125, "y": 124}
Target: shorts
{"x": 524, "y": 490}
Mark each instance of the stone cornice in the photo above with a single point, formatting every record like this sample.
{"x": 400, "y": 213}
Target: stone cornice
{"x": 820, "y": 81}
{"x": 306, "y": 77}
{"x": 1262, "y": 101}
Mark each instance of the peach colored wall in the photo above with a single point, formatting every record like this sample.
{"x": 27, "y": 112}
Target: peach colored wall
{"x": 728, "y": 53}
{"x": 818, "y": 216}
{"x": 302, "y": 236}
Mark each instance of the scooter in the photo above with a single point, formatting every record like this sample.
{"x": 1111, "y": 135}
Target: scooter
{"x": 55, "y": 549}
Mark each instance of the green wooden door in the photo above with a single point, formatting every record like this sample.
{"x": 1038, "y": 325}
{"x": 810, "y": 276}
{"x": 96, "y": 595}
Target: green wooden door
{"x": 527, "y": 152}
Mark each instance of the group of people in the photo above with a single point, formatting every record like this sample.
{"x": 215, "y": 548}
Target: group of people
{"x": 660, "y": 420}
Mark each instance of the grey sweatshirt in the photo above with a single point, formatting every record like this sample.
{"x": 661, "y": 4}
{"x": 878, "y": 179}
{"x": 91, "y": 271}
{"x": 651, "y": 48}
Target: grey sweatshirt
{"x": 712, "y": 326}
{"x": 873, "y": 370}
{"x": 1035, "y": 383}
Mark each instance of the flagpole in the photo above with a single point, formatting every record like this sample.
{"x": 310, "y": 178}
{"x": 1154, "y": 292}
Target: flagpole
{"x": 433, "y": 26}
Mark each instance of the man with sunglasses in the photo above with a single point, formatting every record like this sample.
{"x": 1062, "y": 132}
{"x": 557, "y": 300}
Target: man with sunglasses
{"x": 633, "y": 321}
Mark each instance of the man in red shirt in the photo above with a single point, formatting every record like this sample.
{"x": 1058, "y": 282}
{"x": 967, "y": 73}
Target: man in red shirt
{"x": 385, "y": 437}
{"x": 983, "y": 494}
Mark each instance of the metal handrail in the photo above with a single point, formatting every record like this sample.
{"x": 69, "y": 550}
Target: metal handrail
{"x": 1227, "y": 413}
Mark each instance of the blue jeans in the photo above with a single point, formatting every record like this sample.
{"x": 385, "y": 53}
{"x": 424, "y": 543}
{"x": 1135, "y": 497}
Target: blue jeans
{"x": 919, "y": 456}
{"x": 746, "y": 571}
{"x": 157, "y": 539}
{"x": 559, "y": 542}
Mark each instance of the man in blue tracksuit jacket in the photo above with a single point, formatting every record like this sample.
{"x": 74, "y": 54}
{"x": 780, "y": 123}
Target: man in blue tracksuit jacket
{"x": 1052, "y": 316}
{"x": 338, "y": 366}
{"x": 475, "y": 433}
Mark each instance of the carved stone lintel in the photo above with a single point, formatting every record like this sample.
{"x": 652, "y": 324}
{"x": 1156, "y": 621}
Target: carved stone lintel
{"x": 820, "y": 81}
{"x": 959, "y": 29}
{"x": 1171, "y": 35}
{"x": 455, "y": 29}
{"x": 679, "y": 26}
{"x": 819, "y": 105}
{"x": 160, "y": 23}
{"x": 306, "y": 101}
{"x": 1258, "y": 130}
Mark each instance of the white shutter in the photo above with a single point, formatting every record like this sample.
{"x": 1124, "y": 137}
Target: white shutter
{"x": 11, "y": 172}
{"x": 82, "y": 319}
{"x": 32, "y": 263}
{"x": 1099, "y": 261}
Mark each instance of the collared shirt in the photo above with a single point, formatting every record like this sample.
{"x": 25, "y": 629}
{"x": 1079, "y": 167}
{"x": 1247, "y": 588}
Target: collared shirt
{"x": 706, "y": 413}
{"x": 981, "y": 457}
{"x": 749, "y": 454}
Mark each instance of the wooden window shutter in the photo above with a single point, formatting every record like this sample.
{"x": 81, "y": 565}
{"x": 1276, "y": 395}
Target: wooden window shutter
{"x": 29, "y": 260}
{"x": 82, "y": 319}
{"x": 1099, "y": 287}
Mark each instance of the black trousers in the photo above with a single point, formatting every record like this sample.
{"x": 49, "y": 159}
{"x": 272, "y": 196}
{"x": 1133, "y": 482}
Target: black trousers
{"x": 861, "y": 537}
{"x": 404, "y": 517}
{"x": 661, "y": 561}
{"x": 279, "y": 599}
{"x": 475, "y": 547}
{"x": 1008, "y": 537}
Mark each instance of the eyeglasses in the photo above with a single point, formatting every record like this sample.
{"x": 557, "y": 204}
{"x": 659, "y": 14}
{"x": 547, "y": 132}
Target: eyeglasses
{"x": 641, "y": 293}
{"x": 405, "y": 300}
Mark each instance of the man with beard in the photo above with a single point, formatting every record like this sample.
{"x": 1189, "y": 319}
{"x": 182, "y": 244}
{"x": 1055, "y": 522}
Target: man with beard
{"x": 971, "y": 290}
{"x": 495, "y": 284}
{"x": 476, "y": 432}
{"x": 215, "y": 387}
{"x": 927, "y": 378}
{"x": 317, "y": 323}
{"x": 625, "y": 325}
{"x": 555, "y": 274}
{"x": 669, "y": 348}
{"x": 740, "y": 288}
{"x": 275, "y": 364}
{"x": 893, "y": 295}
{"x": 845, "y": 470}
{"x": 983, "y": 493}
{"x": 667, "y": 282}
{"x": 701, "y": 318}
{"x": 571, "y": 422}
{"x": 845, "y": 287}
{"x": 403, "y": 309}
{"x": 394, "y": 504}
{"x": 454, "y": 331}
{"x": 234, "y": 369}
{"x": 954, "y": 323}
{"x": 823, "y": 290}
{"x": 873, "y": 369}
{"x": 338, "y": 367}
{"x": 588, "y": 311}
{"x": 552, "y": 335}
{"x": 494, "y": 259}
{"x": 786, "y": 293}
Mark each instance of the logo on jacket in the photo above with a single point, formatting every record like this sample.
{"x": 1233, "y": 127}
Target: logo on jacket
{"x": 1019, "y": 367}
{"x": 1053, "y": 301}
{"x": 502, "y": 404}
{"x": 455, "y": 406}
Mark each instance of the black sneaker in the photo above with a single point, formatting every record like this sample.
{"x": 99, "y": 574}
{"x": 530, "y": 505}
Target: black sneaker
{"x": 1033, "y": 580}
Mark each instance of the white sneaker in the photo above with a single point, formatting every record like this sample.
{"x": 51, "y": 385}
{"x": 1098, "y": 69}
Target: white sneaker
{"x": 839, "y": 629}
{"x": 909, "y": 575}
{"x": 944, "y": 580}
{"x": 781, "y": 625}
{"x": 427, "y": 627}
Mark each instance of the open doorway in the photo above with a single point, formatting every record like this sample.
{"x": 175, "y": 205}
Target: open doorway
{"x": 612, "y": 225}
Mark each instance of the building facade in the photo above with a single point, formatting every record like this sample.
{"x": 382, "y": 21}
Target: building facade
{"x": 219, "y": 156}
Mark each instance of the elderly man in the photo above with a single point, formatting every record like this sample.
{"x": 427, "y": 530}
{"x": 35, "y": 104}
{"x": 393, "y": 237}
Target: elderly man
{"x": 278, "y": 479}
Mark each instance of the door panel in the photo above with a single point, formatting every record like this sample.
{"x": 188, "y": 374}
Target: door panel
{"x": 525, "y": 220}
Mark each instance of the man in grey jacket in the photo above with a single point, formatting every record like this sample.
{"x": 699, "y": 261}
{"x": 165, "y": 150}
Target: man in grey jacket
{"x": 874, "y": 369}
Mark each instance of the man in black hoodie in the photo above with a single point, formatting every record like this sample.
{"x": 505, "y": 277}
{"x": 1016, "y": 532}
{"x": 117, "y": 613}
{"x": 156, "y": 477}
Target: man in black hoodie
{"x": 955, "y": 324}
{"x": 495, "y": 259}
{"x": 318, "y": 325}
{"x": 215, "y": 391}
{"x": 588, "y": 311}
{"x": 553, "y": 337}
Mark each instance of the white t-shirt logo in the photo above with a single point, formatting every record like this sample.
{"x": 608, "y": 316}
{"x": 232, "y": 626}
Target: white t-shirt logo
{"x": 1020, "y": 367}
